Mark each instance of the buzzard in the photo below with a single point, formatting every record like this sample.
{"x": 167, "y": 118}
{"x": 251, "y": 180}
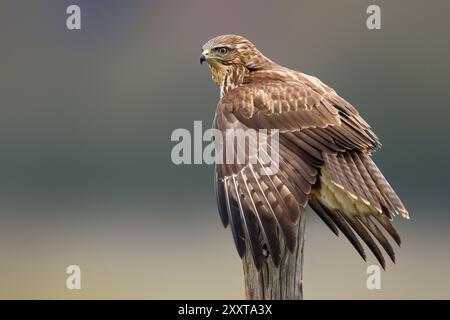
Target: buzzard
{"x": 324, "y": 152}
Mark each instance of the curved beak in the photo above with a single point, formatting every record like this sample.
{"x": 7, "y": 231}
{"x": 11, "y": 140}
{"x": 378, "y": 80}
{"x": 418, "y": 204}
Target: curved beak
{"x": 204, "y": 56}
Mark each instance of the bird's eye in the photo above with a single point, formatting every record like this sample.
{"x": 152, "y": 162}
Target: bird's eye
{"x": 222, "y": 50}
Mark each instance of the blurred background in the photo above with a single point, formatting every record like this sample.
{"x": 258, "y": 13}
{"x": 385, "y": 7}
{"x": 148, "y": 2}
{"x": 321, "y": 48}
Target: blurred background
{"x": 86, "y": 117}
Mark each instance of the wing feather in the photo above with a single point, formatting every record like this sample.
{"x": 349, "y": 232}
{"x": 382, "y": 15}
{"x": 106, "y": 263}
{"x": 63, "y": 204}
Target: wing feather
{"x": 266, "y": 222}
{"x": 235, "y": 219}
{"x": 248, "y": 223}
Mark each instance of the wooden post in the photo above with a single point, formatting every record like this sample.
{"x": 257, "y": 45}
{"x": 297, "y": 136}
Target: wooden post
{"x": 282, "y": 283}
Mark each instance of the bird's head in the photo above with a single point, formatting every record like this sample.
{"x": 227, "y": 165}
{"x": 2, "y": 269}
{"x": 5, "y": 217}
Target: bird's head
{"x": 231, "y": 55}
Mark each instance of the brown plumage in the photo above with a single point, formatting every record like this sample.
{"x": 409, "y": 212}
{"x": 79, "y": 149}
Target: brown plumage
{"x": 324, "y": 157}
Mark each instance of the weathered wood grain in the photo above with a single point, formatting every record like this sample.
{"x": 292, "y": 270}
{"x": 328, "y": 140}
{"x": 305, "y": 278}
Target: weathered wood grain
{"x": 282, "y": 283}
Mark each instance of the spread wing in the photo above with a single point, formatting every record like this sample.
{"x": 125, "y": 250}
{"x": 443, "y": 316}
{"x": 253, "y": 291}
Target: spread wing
{"x": 323, "y": 159}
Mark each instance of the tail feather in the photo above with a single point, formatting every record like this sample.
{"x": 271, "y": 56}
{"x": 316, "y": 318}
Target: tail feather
{"x": 351, "y": 191}
{"x": 316, "y": 206}
{"x": 340, "y": 222}
{"x": 365, "y": 236}
{"x": 379, "y": 236}
{"x": 384, "y": 186}
{"x": 359, "y": 176}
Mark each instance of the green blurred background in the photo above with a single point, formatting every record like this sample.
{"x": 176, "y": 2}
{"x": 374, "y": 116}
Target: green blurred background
{"x": 86, "y": 117}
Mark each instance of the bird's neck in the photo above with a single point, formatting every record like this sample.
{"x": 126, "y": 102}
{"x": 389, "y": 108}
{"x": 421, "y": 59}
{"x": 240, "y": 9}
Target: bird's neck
{"x": 228, "y": 77}
{"x": 233, "y": 78}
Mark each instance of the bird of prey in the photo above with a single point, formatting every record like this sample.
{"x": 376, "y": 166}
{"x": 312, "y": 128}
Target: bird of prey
{"x": 324, "y": 154}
